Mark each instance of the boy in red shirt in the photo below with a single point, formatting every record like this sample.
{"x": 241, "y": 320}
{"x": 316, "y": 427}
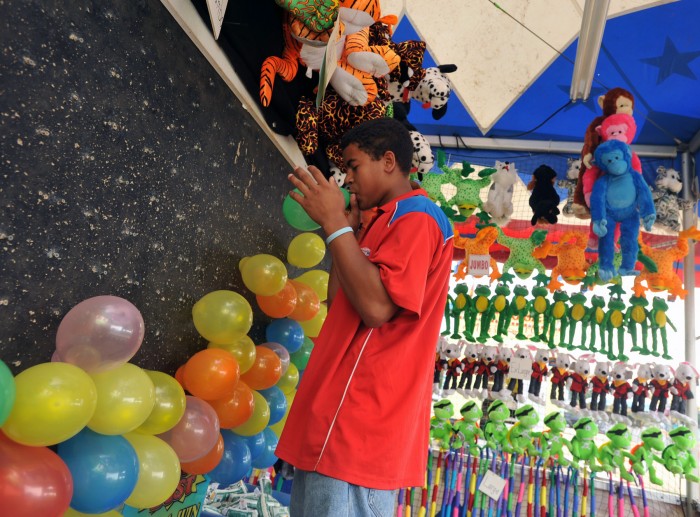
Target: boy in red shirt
{"x": 359, "y": 426}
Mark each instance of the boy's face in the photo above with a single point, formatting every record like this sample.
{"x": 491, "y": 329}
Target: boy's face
{"x": 366, "y": 177}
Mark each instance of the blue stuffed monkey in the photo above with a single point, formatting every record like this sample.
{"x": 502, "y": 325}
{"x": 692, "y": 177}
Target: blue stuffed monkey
{"x": 620, "y": 196}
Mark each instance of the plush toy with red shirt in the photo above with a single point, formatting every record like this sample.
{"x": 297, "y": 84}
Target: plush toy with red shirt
{"x": 503, "y": 359}
{"x": 684, "y": 381}
{"x": 486, "y": 369}
{"x": 640, "y": 388}
{"x": 578, "y": 380}
{"x": 621, "y": 388}
{"x": 661, "y": 386}
{"x": 470, "y": 362}
{"x": 600, "y": 387}
{"x": 560, "y": 374}
{"x": 515, "y": 386}
{"x": 452, "y": 352}
{"x": 540, "y": 370}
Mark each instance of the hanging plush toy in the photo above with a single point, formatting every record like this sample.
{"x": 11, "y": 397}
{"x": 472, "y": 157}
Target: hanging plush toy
{"x": 539, "y": 307}
{"x": 515, "y": 386}
{"x": 518, "y": 308}
{"x": 594, "y": 320}
{"x": 661, "y": 386}
{"x": 640, "y": 388}
{"x": 578, "y": 380}
{"x": 495, "y": 431}
{"x": 621, "y": 388}
{"x": 614, "y": 320}
{"x": 500, "y": 308}
{"x": 521, "y": 435}
{"x": 665, "y": 278}
{"x": 440, "y": 425}
{"x": 613, "y": 453}
{"x": 577, "y": 314}
{"x": 621, "y": 196}
{"x": 480, "y": 307}
{"x": 522, "y": 258}
{"x": 617, "y": 100}
{"x": 544, "y": 199}
{"x": 571, "y": 259}
{"x": 560, "y": 374}
{"x": 600, "y": 386}
{"x": 486, "y": 369}
{"x": 557, "y": 312}
{"x": 503, "y": 359}
{"x": 499, "y": 204}
{"x": 659, "y": 320}
{"x": 432, "y": 90}
{"x": 455, "y": 306}
{"x": 685, "y": 379}
{"x": 452, "y": 352}
{"x": 479, "y": 245}
{"x": 540, "y": 370}
{"x": 644, "y": 454}
{"x": 637, "y": 314}
{"x": 441, "y": 365}
{"x": 583, "y": 446}
{"x": 470, "y": 362}
{"x": 667, "y": 201}
{"x": 678, "y": 457}
{"x": 552, "y": 439}
{"x": 573, "y": 165}
{"x": 468, "y": 426}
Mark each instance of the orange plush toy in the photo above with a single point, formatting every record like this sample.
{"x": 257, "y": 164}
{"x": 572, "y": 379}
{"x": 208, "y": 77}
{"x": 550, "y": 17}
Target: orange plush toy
{"x": 665, "y": 279}
{"x": 479, "y": 245}
{"x": 571, "y": 259}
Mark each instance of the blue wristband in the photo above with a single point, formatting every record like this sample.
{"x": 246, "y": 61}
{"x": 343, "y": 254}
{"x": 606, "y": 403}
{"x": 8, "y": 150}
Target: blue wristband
{"x": 337, "y": 233}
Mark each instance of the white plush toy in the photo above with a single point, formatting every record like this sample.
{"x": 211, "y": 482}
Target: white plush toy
{"x": 499, "y": 204}
{"x": 423, "y": 159}
{"x": 572, "y": 169}
{"x": 668, "y": 204}
{"x": 685, "y": 379}
{"x": 433, "y": 91}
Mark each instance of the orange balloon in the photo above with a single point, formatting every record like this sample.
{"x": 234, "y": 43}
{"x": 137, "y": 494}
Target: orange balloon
{"x": 281, "y": 304}
{"x": 235, "y": 409}
{"x": 208, "y": 462}
{"x": 211, "y": 374}
{"x": 266, "y": 370}
{"x": 180, "y": 376}
{"x": 307, "y": 305}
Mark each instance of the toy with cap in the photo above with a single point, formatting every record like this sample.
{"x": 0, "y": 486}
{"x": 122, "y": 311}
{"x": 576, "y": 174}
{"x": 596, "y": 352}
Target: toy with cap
{"x": 521, "y": 435}
{"x": 613, "y": 453}
{"x": 440, "y": 424}
{"x": 552, "y": 439}
{"x": 468, "y": 427}
{"x": 495, "y": 430}
{"x": 644, "y": 453}
{"x": 678, "y": 456}
{"x": 583, "y": 446}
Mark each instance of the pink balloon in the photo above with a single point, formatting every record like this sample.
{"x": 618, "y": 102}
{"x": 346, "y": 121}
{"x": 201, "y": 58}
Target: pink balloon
{"x": 55, "y": 358}
{"x": 281, "y": 352}
{"x": 33, "y": 480}
{"x": 196, "y": 433}
{"x": 100, "y": 333}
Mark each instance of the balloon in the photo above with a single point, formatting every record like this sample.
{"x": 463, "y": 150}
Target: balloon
{"x": 256, "y": 444}
{"x": 296, "y": 216}
{"x": 33, "y": 480}
{"x": 75, "y": 513}
{"x": 207, "y": 462}
{"x": 55, "y": 358}
{"x": 281, "y": 352}
{"x": 7, "y": 392}
{"x": 312, "y": 328}
{"x": 222, "y": 316}
{"x": 180, "y": 376}
{"x": 100, "y": 333}
{"x": 280, "y": 304}
{"x": 196, "y": 432}
{"x": 242, "y": 348}
{"x": 306, "y": 250}
{"x": 125, "y": 398}
{"x": 300, "y": 358}
{"x": 277, "y": 402}
{"x": 211, "y": 374}
{"x": 169, "y": 404}
{"x": 159, "y": 471}
{"x": 53, "y": 402}
{"x": 105, "y": 469}
{"x": 279, "y": 426}
{"x": 307, "y": 305}
{"x": 235, "y": 463}
{"x": 317, "y": 280}
{"x": 258, "y": 420}
{"x": 263, "y": 274}
{"x": 266, "y": 371}
{"x": 235, "y": 409}
{"x": 287, "y": 333}
{"x": 289, "y": 380}
{"x": 267, "y": 457}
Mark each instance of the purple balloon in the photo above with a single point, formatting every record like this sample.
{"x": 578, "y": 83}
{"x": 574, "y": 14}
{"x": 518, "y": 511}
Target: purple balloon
{"x": 281, "y": 352}
{"x": 196, "y": 433}
{"x": 100, "y": 333}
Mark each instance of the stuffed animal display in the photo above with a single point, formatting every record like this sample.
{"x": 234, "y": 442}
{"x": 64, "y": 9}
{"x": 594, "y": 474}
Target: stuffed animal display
{"x": 544, "y": 199}
{"x": 667, "y": 201}
{"x": 573, "y": 165}
{"x": 499, "y": 204}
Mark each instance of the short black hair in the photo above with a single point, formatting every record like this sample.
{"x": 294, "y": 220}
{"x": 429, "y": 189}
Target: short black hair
{"x": 375, "y": 137}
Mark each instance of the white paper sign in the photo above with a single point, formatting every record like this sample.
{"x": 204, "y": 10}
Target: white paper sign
{"x": 217, "y": 9}
{"x": 520, "y": 368}
{"x": 492, "y": 485}
{"x": 330, "y": 62}
{"x": 479, "y": 265}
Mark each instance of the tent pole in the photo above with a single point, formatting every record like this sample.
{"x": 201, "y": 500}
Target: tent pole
{"x": 689, "y": 220}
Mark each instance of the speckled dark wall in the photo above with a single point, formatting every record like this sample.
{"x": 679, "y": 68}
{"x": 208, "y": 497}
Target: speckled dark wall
{"x": 127, "y": 168}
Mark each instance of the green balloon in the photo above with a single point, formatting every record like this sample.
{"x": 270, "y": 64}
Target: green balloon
{"x": 300, "y": 358}
{"x": 7, "y": 392}
{"x": 297, "y": 217}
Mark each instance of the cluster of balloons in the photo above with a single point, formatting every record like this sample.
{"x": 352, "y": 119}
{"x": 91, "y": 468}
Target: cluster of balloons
{"x": 104, "y": 415}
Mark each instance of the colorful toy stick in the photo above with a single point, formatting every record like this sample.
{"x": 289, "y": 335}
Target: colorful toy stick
{"x": 453, "y": 482}
{"x": 522, "y": 489}
{"x": 530, "y": 487}
{"x": 399, "y": 507}
{"x": 500, "y": 505}
{"x": 483, "y": 465}
{"x": 574, "y": 480}
{"x": 433, "y": 501}
{"x": 458, "y": 486}
{"x": 428, "y": 481}
{"x": 493, "y": 469}
{"x": 543, "y": 506}
{"x": 584, "y": 494}
{"x": 633, "y": 503}
{"x": 621, "y": 499}
{"x": 409, "y": 502}
{"x": 552, "y": 481}
{"x": 511, "y": 486}
{"x": 566, "y": 488}
{"x": 472, "y": 483}
{"x": 644, "y": 496}
{"x": 592, "y": 492}
{"x": 557, "y": 478}
{"x": 467, "y": 482}
{"x": 449, "y": 467}
{"x": 536, "y": 502}
{"x": 611, "y": 498}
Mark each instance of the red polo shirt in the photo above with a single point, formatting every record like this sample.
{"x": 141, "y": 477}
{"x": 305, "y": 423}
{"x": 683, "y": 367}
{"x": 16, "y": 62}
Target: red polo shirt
{"x": 362, "y": 410}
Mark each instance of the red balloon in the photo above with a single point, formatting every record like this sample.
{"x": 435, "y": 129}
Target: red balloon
{"x": 211, "y": 373}
{"x": 266, "y": 370}
{"x": 307, "y": 305}
{"x": 236, "y": 409}
{"x": 281, "y": 304}
{"x": 208, "y": 462}
{"x": 33, "y": 480}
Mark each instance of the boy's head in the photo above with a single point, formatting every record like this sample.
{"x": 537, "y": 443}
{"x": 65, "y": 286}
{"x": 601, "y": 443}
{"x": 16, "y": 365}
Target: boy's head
{"x": 376, "y": 137}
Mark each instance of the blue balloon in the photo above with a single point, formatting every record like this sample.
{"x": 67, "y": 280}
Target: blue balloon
{"x": 277, "y": 402}
{"x": 286, "y": 332}
{"x": 267, "y": 458}
{"x": 235, "y": 463}
{"x": 256, "y": 444}
{"x": 104, "y": 469}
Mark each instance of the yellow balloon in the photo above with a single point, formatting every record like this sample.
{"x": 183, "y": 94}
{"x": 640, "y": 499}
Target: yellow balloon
{"x": 242, "y": 348}
{"x": 125, "y": 399}
{"x": 279, "y": 426}
{"x": 221, "y": 316}
{"x": 258, "y": 420}
{"x": 317, "y": 280}
{"x": 53, "y": 402}
{"x": 263, "y": 274}
{"x": 312, "y": 327}
{"x": 75, "y": 513}
{"x": 306, "y": 250}
{"x": 159, "y": 471}
{"x": 169, "y": 404}
{"x": 289, "y": 380}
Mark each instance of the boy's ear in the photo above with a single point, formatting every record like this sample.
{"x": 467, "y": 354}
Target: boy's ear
{"x": 389, "y": 159}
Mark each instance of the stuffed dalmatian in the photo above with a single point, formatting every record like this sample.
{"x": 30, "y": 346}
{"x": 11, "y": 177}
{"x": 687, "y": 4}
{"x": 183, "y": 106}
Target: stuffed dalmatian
{"x": 666, "y": 200}
{"x": 433, "y": 90}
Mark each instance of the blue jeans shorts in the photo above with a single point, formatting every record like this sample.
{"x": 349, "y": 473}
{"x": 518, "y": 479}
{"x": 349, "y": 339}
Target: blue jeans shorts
{"x": 316, "y": 495}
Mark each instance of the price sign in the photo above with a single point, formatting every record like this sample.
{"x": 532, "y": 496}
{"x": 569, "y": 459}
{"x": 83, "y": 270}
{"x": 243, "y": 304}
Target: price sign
{"x": 492, "y": 485}
{"x": 479, "y": 265}
{"x": 520, "y": 368}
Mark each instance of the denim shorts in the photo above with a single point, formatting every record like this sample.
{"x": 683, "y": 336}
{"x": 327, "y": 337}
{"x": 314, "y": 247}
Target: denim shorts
{"x": 316, "y": 495}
